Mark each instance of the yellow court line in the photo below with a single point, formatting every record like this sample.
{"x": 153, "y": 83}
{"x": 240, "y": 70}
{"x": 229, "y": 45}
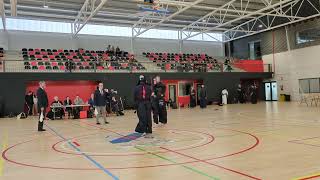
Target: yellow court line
{"x": 312, "y": 176}
{"x": 4, "y": 147}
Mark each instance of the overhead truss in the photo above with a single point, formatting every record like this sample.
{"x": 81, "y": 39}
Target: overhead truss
{"x": 87, "y": 12}
{"x": 263, "y": 23}
{"x": 145, "y": 23}
{"x": 2, "y": 14}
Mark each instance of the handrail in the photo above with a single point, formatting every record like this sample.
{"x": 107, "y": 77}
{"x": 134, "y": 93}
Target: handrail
{"x": 100, "y": 66}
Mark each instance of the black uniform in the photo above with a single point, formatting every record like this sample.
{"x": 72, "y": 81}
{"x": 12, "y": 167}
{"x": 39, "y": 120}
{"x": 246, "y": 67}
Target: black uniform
{"x": 159, "y": 104}
{"x": 203, "y": 98}
{"x": 29, "y": 101}
{"x": 142, "y": 100}
{"x": 240, "y": 95}
{"x": 193, "y": 102}
{"x": 254, "y": 97}
{"x": 42, "y": 103}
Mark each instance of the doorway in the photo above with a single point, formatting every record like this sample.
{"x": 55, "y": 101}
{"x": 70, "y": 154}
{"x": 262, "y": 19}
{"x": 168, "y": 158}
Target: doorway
{"x": 271, "y": 91}
{"x": 173, "y": 92}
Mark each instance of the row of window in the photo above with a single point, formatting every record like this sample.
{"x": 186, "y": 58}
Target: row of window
{"x": 90, "y": 29}
{"x": 311, "y": 85}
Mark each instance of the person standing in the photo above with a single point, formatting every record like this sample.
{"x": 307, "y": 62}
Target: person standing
{"x": 240, "y": 94}
{"x": 253, "y": 94}
{"x": 78, "y": 102}
{"x": 193, "y": 102}
{"x": 42, "y": 104}
{"x": 29, "y": 102}
{"x": 224, "y": 95}
{"x": 203, "y": 97}
{"x": 159, "y": 93}
{"x": 100, "y": 100}
{"x": 142, "y": 101}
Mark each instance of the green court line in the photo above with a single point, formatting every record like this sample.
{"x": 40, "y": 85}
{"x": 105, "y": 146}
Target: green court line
{"x": 172, "y": 161}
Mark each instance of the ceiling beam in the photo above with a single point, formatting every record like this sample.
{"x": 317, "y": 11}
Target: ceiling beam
{"x": 82, "y": 18}
{"x": 168, "y": 17}
{"x": 13, "y": 4}
{"x": 240, "y": 18}
{"x": 3, "y": 14}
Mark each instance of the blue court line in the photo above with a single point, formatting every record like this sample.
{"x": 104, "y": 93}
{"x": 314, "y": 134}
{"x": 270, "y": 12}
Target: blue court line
{"x": 84, "y": 154}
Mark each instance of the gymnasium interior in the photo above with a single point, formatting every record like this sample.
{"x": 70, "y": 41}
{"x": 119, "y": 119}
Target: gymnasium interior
{"x": 241, "y": 89}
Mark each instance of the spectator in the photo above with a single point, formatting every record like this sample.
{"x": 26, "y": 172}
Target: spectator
{"x": 29, "y": 102}
{"x": 76, "y": 110}
{"x": 68, "y": 102}
{"x": 100, "y": 99}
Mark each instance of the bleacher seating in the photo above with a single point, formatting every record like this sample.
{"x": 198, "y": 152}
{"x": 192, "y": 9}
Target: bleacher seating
{"x": 184, "y": 62}
{"x": 62, "y": 59}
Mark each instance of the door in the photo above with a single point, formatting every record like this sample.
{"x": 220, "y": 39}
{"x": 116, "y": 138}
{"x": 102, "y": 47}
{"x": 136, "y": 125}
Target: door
{"x": 173, "y": 92}
{"x": 268, "y": 91}
{"x": 271, "y": 91}
{"x": 274, "y": 91}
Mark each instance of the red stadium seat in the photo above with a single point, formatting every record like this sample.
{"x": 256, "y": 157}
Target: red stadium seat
{"x": 62, "y": 68}
{"x": 42, "y": 68}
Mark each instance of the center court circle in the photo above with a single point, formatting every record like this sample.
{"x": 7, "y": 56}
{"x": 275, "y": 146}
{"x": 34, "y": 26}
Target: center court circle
{"x": 205, "y": 140}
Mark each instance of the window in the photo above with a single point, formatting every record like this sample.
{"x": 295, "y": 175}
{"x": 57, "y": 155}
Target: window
{"x": 308, "y": 35}
{"x": 1, "y": 24}
{"x": 106, "y": 30}
{"x": 160, "y": 34}
{"x": 311, "y": 85}
{"x": 185, "y": 88}
{"x": 314, "y": 85}
{"x": 37, "y": 25}
{"x": 304, "y": 86}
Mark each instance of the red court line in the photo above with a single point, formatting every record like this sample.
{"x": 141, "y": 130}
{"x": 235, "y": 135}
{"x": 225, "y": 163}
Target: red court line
{"x": 77, "y": 144}
{"x": 206, "y": 162}
{"x": 4, "y": 155}
{"x": 311, "y": 177}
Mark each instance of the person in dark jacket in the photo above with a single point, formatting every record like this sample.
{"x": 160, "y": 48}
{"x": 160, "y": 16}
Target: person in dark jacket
{"x": 29, "y": 102}
{"x": 203, "y": 97}
{"x": 240, "y": 94}
{"x": 100, "y": 100}
{"x": 193, "y": 102}
{"x": 142, "y": 101}
{"x": 159, "y": 90}
{"x": 67, "y": 102}
{"x": 42, "y": 104}
{"x": 253, "y": 94}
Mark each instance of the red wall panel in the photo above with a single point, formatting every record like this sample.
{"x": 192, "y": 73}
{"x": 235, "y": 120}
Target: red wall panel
{"x": 65, "y": 88}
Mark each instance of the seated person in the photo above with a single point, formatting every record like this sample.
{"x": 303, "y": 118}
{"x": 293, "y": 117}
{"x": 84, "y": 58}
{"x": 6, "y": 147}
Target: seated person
{"x": 91, "y": 108}
{"x": 56, "y": 109}
{"x": 76, "y": 110}
{"x": 116, "y": 104}
{"x": 68, "y": 102}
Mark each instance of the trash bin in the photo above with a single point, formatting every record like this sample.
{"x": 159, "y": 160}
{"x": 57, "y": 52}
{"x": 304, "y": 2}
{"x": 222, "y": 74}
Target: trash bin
{"x": 287, "y": 97}
{"x": 282, "y": 97}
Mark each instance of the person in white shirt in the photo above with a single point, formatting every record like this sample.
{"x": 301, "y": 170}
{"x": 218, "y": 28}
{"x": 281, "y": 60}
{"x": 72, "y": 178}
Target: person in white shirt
{"x": 224, "y": 94}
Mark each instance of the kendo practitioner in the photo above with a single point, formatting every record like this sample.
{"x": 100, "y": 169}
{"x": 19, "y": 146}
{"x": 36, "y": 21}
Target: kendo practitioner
{"x": 193, "y": 102}
{"x": 240, "y": 94}
{"x": 142, "y": 101}
{"x": 203, "y": 97}
{"x": 160, "y": 113}
{"x": 253, "y": 94}
{"x": 42, "y": 104}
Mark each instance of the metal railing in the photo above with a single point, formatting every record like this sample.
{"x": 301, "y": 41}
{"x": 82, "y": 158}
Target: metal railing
{"x": 33, "y": 66}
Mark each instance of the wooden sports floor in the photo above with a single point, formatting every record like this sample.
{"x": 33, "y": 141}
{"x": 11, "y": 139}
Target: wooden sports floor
{"x": 269, "y": 141}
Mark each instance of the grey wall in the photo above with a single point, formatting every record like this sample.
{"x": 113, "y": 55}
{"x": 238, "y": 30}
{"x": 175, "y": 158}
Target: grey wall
{"x": 15, "y": 40}
{"x": 241, "y": 48}
{"x": 13, "y": 85}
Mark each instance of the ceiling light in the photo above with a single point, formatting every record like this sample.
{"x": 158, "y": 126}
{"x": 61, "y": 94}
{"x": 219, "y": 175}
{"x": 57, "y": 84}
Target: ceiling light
{"x": 260, "y": 26}
{"x": 45, "y": 6}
